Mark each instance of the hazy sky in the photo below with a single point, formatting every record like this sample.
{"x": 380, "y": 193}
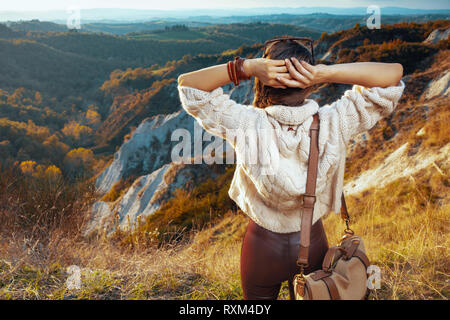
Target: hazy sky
{"x": 46, "y": 5}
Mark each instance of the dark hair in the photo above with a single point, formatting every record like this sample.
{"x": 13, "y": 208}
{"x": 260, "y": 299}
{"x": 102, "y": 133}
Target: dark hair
{"x": 265, "y": 95}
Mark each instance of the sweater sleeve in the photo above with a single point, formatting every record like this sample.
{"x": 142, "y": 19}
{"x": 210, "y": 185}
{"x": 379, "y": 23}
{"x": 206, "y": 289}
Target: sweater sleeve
{"x": 359, "y": 109}
{"x": 215, "y": 111}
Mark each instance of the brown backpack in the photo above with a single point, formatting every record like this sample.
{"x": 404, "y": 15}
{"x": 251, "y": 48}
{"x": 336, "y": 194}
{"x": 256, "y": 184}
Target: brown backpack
{"x": 344, "y": 269}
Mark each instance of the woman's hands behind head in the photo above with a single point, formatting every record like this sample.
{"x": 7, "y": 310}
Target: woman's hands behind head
{"x": 267, "y": 71}
{"x": 302, "y": 74}
{"x": 284, "y": 73}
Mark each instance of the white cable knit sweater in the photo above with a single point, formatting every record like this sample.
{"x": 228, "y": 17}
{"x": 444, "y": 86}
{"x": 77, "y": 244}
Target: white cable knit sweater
{"x": 274, "y": 200}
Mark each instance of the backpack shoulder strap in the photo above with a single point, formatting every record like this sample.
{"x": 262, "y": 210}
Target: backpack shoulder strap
{"x": 309, "y": 198}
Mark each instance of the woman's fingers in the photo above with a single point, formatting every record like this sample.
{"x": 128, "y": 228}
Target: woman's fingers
{"x": 282, "y": 69}
{"x": 291, "y": 83}
{"x": 289, "y": 73}
{"x": 307, "y": 66}
{"x": 284, "y": 75}
{"x": 295, "y": 74}
{"x": 302, "y": 69}
{"x": 276, "y": 63}
{"x": 275, "y": 83}
{"x": 278, "y": 85}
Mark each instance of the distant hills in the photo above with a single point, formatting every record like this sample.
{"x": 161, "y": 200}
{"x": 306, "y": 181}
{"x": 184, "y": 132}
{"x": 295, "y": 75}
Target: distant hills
{"x": 321, "y": 22}
{"x": 108, "y": 15}
{"x": 35, "y": 60}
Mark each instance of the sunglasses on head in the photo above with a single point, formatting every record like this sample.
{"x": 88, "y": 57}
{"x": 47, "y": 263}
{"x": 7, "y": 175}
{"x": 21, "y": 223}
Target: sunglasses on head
{"x": 309, "y": 40}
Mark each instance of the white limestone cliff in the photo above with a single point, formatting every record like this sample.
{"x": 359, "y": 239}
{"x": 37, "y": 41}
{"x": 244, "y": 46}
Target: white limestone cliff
{"x": 147, "y": 154}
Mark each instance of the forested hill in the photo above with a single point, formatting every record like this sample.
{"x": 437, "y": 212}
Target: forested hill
{"x": 62, "y": 65}
{"x": 52, "y": 80}
{"x": 84, "y": 92}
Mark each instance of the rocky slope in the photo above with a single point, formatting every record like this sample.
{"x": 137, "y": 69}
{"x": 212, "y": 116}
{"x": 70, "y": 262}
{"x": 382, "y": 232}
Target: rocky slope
{"x": 397, "y": 165}
{"x": 150, "y": 146}
{"x": 438, "y": 87}
{"x": 147, "y": 155}
{"x": 438, "y": 35}
{"x": 146, "y": 195}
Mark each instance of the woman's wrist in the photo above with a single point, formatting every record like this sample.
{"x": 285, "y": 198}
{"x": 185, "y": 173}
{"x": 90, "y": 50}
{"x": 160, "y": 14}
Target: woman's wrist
{"x": 323, "y": 73}
{"x": 248, "y": 67}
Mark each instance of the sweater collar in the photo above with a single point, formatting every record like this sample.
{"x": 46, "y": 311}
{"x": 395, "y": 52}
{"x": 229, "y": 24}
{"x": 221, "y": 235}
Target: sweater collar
{"x": 293, "y": 115}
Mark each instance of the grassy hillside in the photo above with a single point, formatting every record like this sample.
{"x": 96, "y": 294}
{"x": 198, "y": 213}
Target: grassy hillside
{"x": 252, "y": 32}
{"x": 37, "y": 66}
{"x": 89, "y": 57}
{"x": 36, "y": 25}
{"x": 403, "y": 228}
{"x": 171, "y": 35}
{"x": 148, "y": 51}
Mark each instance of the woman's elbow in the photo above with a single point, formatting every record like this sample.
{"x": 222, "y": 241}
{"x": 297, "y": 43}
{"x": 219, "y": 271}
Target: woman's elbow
{"x": 398, "y": 72}
{"x": 180, "y": 79}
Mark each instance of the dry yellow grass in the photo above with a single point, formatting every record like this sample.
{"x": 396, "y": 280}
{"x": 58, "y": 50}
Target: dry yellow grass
{"x": 405, "y": 229}
{"x": 404, "y": 226}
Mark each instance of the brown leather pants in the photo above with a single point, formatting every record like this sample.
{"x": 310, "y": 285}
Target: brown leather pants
{"x": 269, "y": 258}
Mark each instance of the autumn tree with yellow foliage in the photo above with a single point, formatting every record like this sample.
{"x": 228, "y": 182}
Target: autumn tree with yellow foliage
{"x": 79, "y": 163}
